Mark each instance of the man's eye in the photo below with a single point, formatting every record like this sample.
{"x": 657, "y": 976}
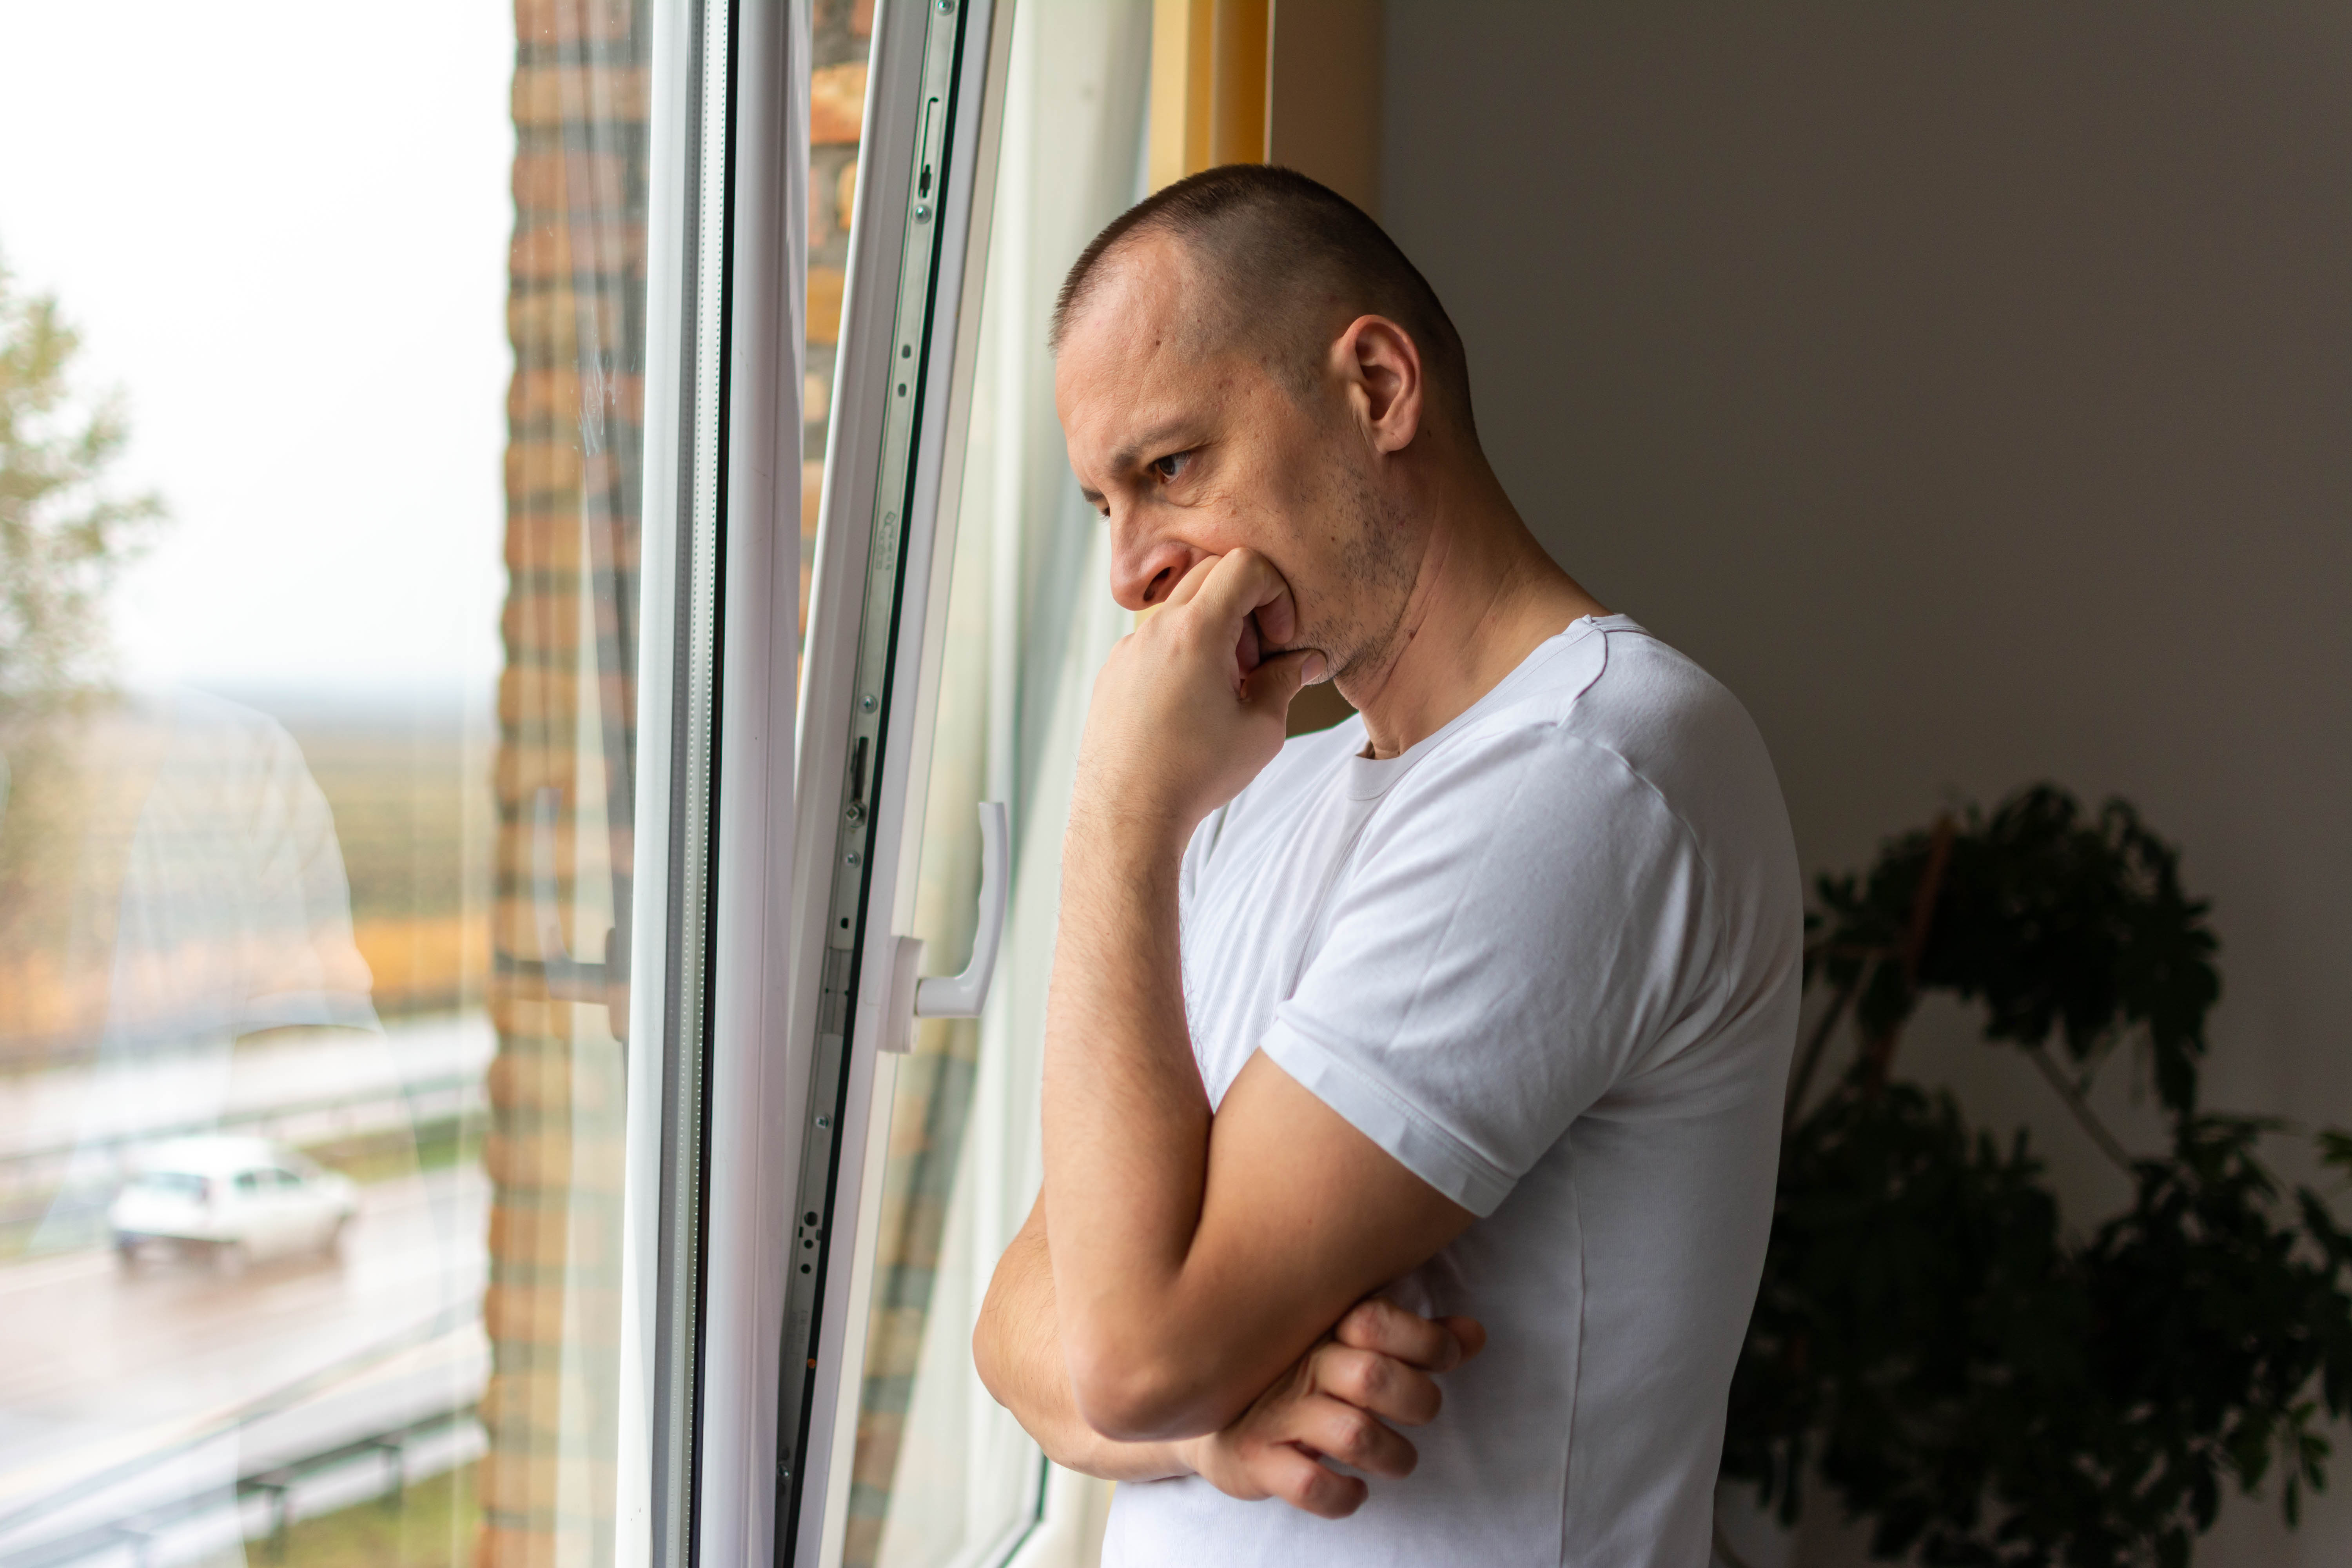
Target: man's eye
{"x": 1168, "y": 467}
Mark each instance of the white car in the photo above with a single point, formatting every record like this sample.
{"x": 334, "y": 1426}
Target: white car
{"x": 234, "y": 1199}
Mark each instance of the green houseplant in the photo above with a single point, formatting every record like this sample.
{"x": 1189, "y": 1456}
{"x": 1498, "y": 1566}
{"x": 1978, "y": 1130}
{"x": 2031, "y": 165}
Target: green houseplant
{"x": 1931, "y": 1346}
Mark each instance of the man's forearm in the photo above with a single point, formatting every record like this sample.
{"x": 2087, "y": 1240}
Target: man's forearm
{"x": 1127, "y": 1122}
{"x": 1017, "y": 1348}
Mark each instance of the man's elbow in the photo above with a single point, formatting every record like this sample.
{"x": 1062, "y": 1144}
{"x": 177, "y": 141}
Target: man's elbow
{"x": 985, "y": 1361}
{"x": 1133, "y": 1389}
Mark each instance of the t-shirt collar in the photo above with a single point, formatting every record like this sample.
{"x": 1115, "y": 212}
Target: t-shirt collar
{"x": 1369, "y": 778}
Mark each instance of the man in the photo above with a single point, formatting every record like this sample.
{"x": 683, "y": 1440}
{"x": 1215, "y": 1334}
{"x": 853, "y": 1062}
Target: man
{"x": 1466, "y": 1020}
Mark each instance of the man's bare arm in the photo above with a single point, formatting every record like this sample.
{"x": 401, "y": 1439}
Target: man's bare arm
{"x": 1338, "y": 1399}
{"x": 1017, "y": 1348}
{"x": 1193, "y": 1258}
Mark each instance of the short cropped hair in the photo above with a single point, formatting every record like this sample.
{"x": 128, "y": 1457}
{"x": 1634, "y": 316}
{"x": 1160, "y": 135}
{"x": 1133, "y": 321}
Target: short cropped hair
{"x": 1283, "y": 253}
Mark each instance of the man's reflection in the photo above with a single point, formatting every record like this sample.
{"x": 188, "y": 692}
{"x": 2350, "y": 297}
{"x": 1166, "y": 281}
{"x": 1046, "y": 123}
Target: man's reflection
{"x": 236, "y": 914}
{"x": 229, "y": 912}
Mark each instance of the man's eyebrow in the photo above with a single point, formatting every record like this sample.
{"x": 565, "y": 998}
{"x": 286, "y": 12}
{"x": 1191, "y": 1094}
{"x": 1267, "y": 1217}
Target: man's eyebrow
{"x": 1171, "y": 436}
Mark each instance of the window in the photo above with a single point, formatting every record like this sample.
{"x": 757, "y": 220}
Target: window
{"x": 360, "y": 493}
{"x": 426, "y": 831}
{"x": 921, "y": 1467}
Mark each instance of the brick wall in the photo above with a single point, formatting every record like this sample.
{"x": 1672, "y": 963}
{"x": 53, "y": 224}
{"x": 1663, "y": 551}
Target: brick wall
{"x": 566, "y": 702}
{"x": 842, "y": 32}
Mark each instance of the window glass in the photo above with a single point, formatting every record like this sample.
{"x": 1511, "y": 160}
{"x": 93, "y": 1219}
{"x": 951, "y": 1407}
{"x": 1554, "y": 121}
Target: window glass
{"x": 942, "y": 1474}
{"x": 322, "y": 364}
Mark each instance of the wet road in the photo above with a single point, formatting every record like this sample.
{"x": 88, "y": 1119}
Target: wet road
{"x": 99, "y": 1366}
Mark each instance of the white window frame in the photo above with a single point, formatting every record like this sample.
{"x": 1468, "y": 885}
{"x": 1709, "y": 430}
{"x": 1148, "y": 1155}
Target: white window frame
{"x": 884, "y": 543}
{"x": 764, "y": 1087}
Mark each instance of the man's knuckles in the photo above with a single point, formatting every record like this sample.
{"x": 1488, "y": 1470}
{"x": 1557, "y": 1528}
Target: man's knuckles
{"x": 1243, "y": 582}
{"x": 1312, "y": 1489}
{"x": 1388, "y": 1329}
{"x": 1355, "y": 1439}
{"x": 1382, "y": 1384}
{"x": 1190, "y": 584}
{"x": 1345, "y": 1434}
{"x": 1364, "y": 1376}
{"x": 1288, "y": 1472}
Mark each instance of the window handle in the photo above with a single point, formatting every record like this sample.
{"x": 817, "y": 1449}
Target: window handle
{"x": 955, "y": 995}
{"x": 963, "y": 995}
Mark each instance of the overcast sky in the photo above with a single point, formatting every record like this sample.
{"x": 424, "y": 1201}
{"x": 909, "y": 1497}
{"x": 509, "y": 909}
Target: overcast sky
{"x": 282, "y": 230}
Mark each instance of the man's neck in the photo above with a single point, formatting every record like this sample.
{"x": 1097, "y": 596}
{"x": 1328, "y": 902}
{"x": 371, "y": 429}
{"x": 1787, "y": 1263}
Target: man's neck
{"x": 1484, "y": 597}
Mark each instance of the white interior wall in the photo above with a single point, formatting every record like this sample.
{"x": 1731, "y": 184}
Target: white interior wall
{"x": 1970, "y": 388}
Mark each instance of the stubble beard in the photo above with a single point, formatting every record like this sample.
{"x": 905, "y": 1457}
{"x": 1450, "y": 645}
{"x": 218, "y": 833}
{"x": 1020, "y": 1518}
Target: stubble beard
{"x": 1361, "y": 626}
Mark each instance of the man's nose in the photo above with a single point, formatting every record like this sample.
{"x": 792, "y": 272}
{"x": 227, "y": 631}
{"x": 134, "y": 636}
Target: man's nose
{"x": 1145, "y": 572}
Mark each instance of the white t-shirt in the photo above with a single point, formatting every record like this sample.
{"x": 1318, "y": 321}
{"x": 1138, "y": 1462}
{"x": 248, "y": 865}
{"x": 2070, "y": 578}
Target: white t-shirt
{"x": 1549, "y": 960}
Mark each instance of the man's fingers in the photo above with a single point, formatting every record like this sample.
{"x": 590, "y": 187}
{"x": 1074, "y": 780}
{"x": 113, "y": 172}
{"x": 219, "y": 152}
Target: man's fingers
{"x": 1381, "y": 1384}
{"x": 1244, "y": 583}
{"x": 1469, "y": 1332}
{"x": 1272, "y": 685}
{"x": 1353, "y": 1436}
{"x": 1297, "y": 1480}
{"x": 1378, "y": 1324}
{"x": 1190, "y": 583}
{"x": 1250, "y": 651}
{"x": 1278, "y": 616}
{"x": 1240, "y": 595}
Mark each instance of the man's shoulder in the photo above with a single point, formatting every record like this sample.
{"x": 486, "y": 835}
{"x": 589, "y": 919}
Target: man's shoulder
{"x": 1619, "y": 690}
{"x": 1686, "y": 737}
{"x": 1622, "y": 722}
{"x": 1657, "y": 706}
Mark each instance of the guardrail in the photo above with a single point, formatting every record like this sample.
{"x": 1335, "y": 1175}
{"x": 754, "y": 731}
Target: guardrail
{"x": 141, "y": 1529}
{"x": 275, "y": 1487}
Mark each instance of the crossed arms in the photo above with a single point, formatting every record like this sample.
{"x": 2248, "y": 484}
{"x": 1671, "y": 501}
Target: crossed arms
{"x": 1196, "y": 1308}
{"x": 1343, "y": 1397}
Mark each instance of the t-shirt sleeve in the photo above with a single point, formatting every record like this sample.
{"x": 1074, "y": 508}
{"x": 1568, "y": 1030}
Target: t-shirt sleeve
{"x": 1520, "y": 926}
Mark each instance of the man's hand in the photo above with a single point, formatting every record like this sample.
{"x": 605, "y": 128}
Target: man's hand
{"x": 1343, "y": 1399}
{"x": 1186, "y": 711}
{"x": 1375, "y": 1366}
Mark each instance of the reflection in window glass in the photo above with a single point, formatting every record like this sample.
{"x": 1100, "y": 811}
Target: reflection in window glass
{"x": 321, "y": 357}
{"x": 942, "y": 1475}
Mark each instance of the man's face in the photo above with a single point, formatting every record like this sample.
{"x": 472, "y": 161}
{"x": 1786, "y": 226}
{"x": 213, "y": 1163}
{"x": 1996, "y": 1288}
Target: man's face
{"x": 1191, "y": 447}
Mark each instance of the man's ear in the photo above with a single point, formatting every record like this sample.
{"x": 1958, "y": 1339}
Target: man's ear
{"x": 1381, "y": 367}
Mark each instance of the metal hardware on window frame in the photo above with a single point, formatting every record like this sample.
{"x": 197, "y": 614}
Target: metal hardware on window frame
{"x": 928, "y": 144}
